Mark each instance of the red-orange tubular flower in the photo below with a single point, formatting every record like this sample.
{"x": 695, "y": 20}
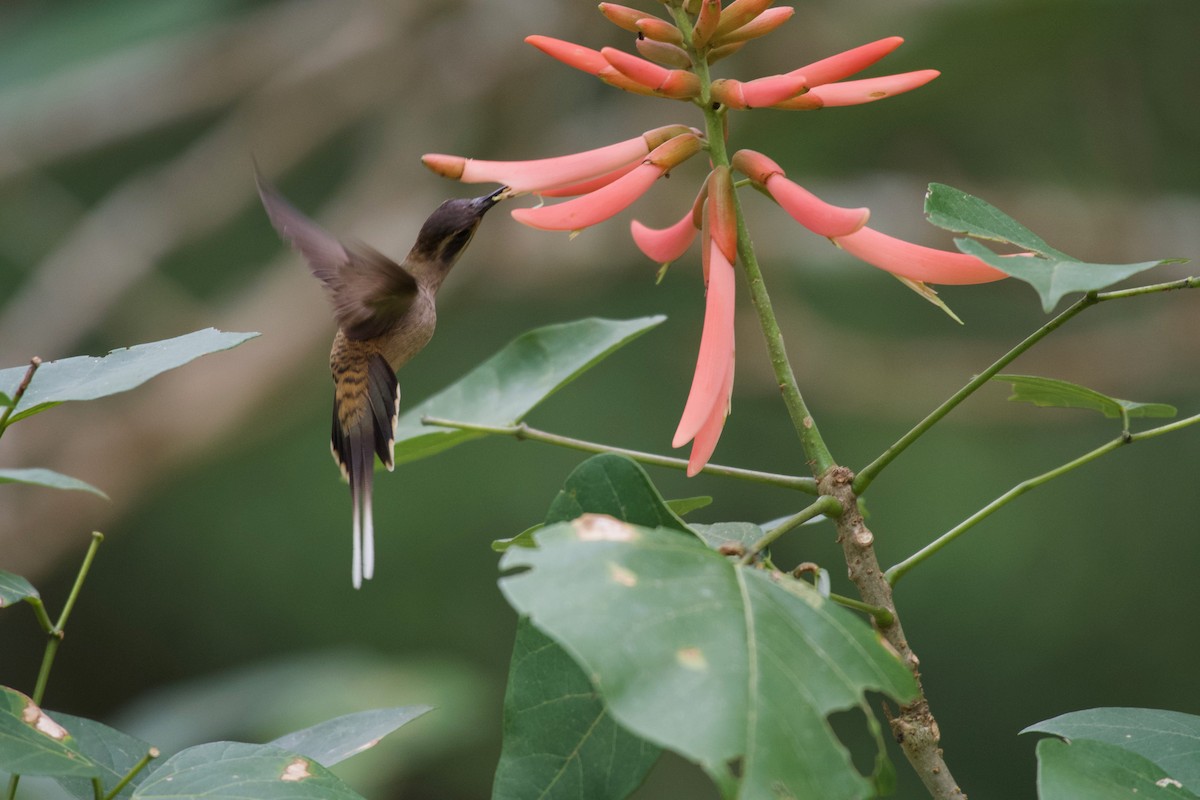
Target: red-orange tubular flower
{"x": 608, "y": 200}
{"x": 540, "y": 175}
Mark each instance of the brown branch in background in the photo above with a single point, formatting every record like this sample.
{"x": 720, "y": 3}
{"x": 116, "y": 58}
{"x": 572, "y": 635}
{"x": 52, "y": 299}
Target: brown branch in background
{"x": 914, "y": 727}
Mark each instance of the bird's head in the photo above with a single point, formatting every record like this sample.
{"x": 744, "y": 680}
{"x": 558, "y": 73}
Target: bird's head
{"x": 448, "y": 231}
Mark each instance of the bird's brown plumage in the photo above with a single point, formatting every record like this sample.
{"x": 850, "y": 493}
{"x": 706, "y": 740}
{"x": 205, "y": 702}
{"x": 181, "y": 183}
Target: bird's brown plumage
{"x": 385, "y": 314}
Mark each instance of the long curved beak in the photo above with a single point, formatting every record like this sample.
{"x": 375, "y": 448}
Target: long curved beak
{"x": 482, "y": 204}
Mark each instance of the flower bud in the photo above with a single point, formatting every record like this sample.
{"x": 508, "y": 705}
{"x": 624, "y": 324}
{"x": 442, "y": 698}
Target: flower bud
{"x": 812, "y": 212}
{"x": 723, "y": 51}
{"x": 569, "y": 53}
{"x": 619, "y": 81}
{"x": 614, "y": 197}
{"x": 447, "y": 166}
{"x": 761, "y": 25}
{"x": 846, "y": 63}
{"x": 660, "y": 31}
{"x": 755, "y": 166}
{"x": 587, "y": 186}
{"x": 915, "y": 262}
{"x": 758, "y": 93}
{"x": 706, "y": 23}
{"x": 739, "y": 13}
{"x": 722, "y": 215}
{"x": 675, "y": 151}
{"x": 668, "y": 55}
{"x": 622, "y": 16}
{"x": 674, "y": 83}
{"x": 868, "y": 90}
{"x": 559, "y": 171}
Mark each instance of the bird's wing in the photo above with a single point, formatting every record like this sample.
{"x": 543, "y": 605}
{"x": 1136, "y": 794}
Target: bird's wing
{"x": 370, "y": 292}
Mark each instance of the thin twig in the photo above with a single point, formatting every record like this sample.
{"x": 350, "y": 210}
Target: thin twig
{"x": 868, "y": 473}
{"x": 824, "y": 505}
{"x": 34, "y": 363}
{"x": 523, "y": 431}
{"x": 896, "y": 572}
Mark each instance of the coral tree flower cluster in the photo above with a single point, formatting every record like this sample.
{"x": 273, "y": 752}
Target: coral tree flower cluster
{"x": 673, "y": 62}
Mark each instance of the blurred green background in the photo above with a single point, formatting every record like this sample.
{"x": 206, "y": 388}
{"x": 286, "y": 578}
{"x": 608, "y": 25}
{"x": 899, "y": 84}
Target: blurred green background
{"x": 221, "y": 607}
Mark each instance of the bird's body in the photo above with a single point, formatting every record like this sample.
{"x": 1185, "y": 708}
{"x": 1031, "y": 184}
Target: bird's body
{"x": 386, "y": 314}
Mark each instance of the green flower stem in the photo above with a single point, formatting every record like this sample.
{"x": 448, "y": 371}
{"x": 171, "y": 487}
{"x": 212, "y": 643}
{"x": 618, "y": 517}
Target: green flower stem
{"x": 883, "y": 618}
{"x": 34, "y": 363}
{"x": 824, "y": 505}
{"x": 896, "y": 572}
{"x": 56, "y": 632}
{"x": 523, "y": 431}
{"x": 868, "y": 473}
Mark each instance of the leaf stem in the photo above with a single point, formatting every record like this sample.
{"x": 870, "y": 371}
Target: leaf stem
{"x": 34, "y": 363}
{"x": 896, "y": 572}
{"x": 522, "y": 431}
{"x": 883, "y": 618}
{"x": 56, "y": 632}
{"x": 824, "y": 505}
{"x": 150, "y": 755}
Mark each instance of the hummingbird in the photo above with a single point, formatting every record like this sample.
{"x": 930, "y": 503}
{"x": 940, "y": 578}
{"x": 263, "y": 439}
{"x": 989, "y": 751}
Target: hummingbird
{"x": 385, "y": 314}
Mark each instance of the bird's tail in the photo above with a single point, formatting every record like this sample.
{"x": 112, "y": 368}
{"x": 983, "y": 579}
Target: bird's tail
{"x": 364, "y": 424}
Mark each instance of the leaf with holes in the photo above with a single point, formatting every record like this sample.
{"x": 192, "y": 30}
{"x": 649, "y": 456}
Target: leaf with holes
{"x": 713, "y": 660}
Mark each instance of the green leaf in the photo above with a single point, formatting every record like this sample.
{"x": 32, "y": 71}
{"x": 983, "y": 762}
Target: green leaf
{"x": 1053, "y": 278}
{"x": 560, "y": 741}
{"x": 48, "y": 478}
{"x": 1169, "y": 739}
{"x": 617, "y": 486}
{"x": 14, "y": 589}
{"x": 5, "y": 400}
{"x": 686, "y": 505}
{"x": 337, "y": 739}
{"x": 1049, "y": 392}
{"x": 1101, "y": 771}
{"x": 522, "y": 539}
{"x": 31, "y": 743}
{"x": 955, "y": 210}
{"x": 1050, "y": 272}
{"x": 235, "y": 771}
{"x": 721, "y": 534}
{"x": 113, "y": 752}
{"x": 87, "y": 378}
{"x": 713, "y": 660}
{"x": 506, "y": 387}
